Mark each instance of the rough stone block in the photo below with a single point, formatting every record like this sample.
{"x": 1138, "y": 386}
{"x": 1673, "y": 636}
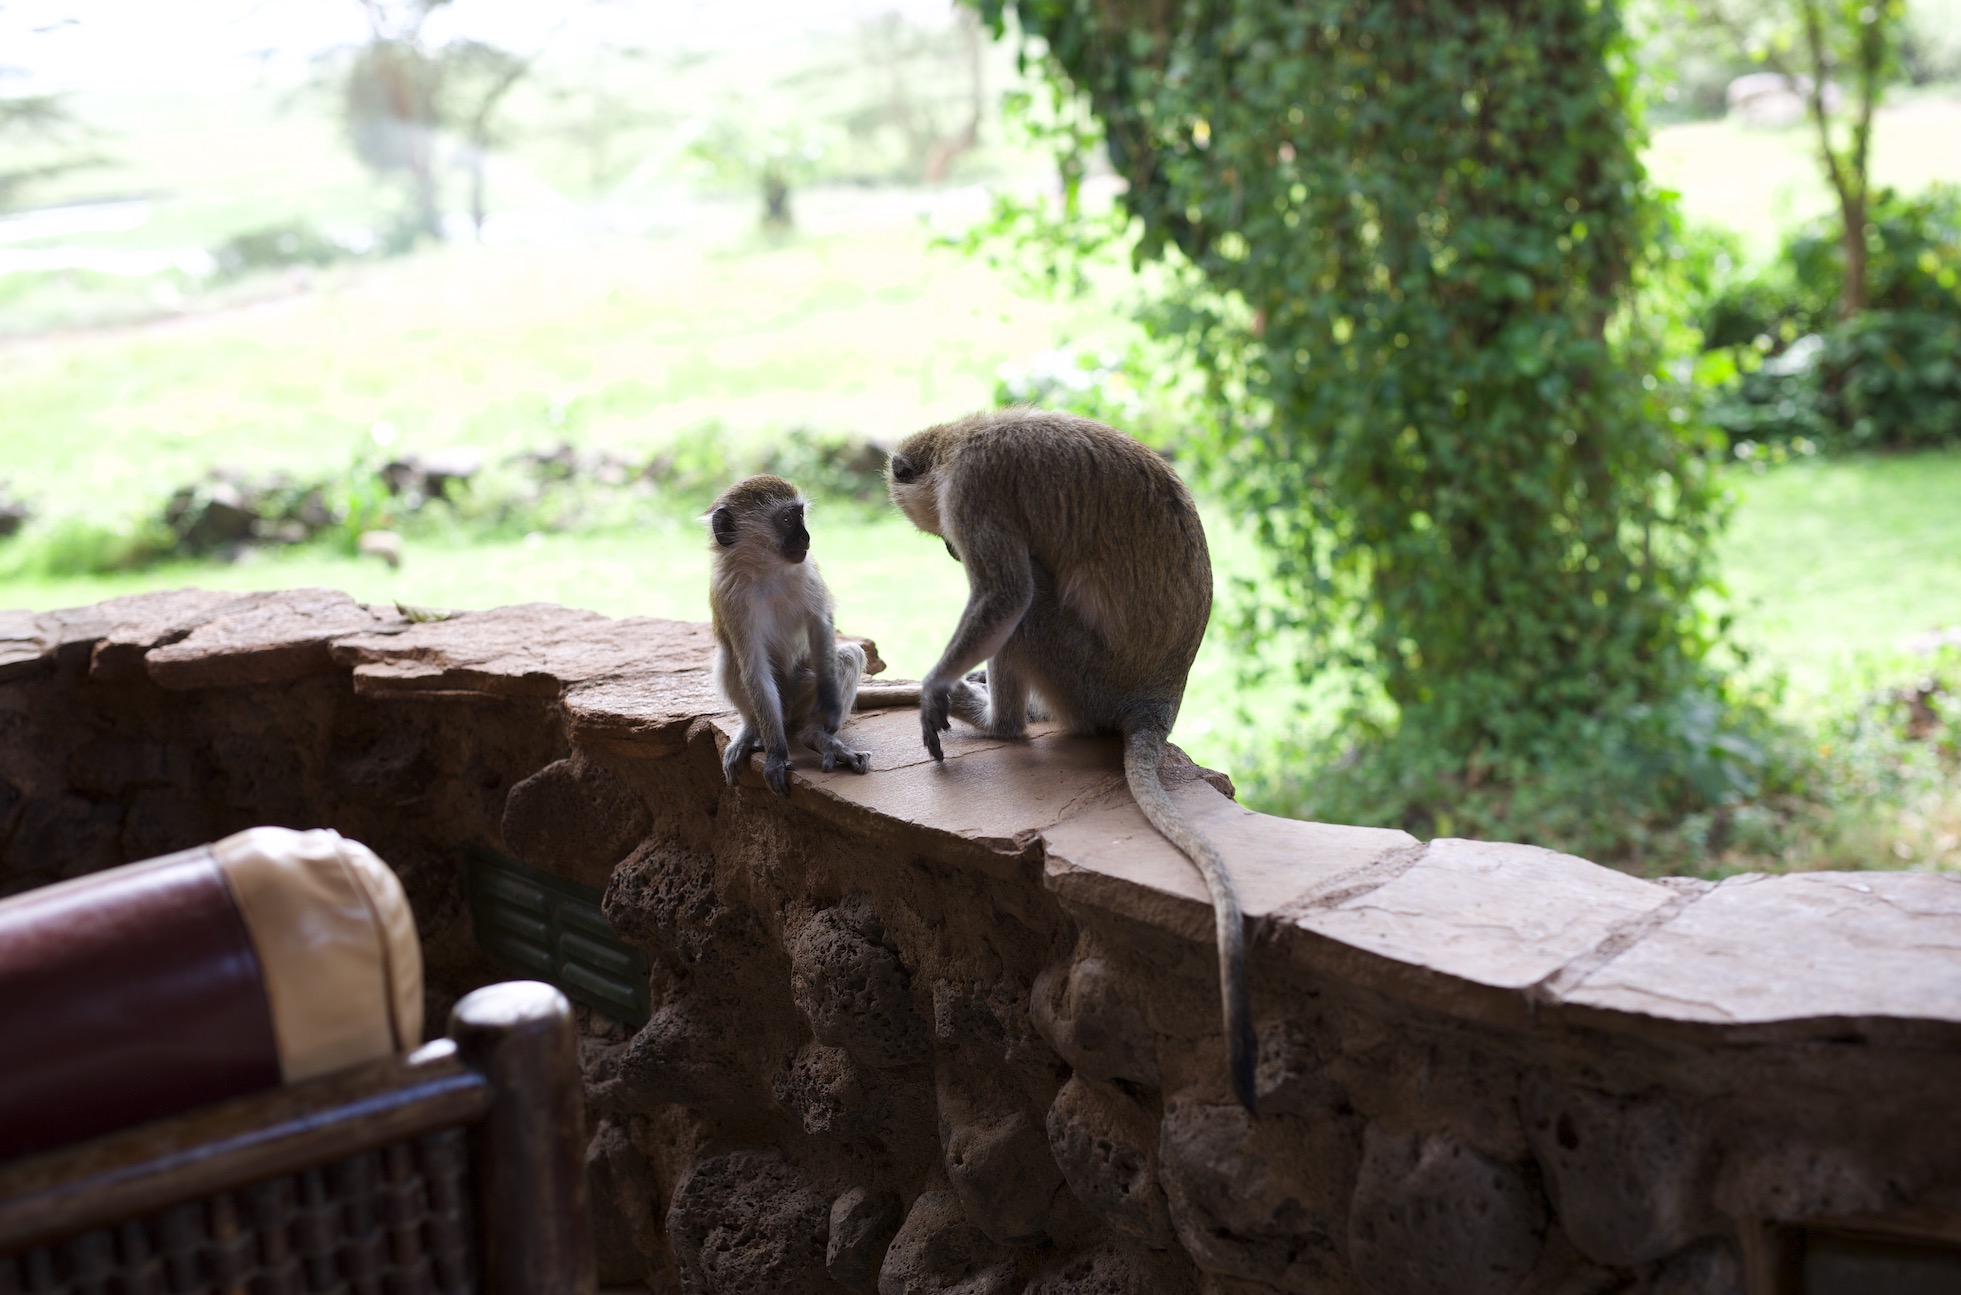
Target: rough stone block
{"x": 863, "y": 1223}
{"x": 1106, "y": 1145}
{"x": 1114, "y": 1268}
{"x": 939, "y": 1252}
{"x": 1264, "y": 1200}
{"x": 116, "y": 765}
{"x": 10, "y": 800}
{"x": 1090, "y": 1013}
{"x": 685, "y": 1054}
{"x": 1626, "y": 1174}
{"x": 1431, "y": 1214}
{"x": 662, "y": 898}
{"x": 996, "y": 1155}
{"x": 1290, "y": 1071}
{"x": 68, "y": 835}
{"x": 162, "y": 821}
{"x": 1784, "y": 1175}
{"x": 828, "y": 1093}
{"x": 626, "y": 1207}
{"x": 747, "y": 1221}
{"x": 1707, "y": 1268}
{"x": 575, "y": 819}
{"x": 852, "y": 988}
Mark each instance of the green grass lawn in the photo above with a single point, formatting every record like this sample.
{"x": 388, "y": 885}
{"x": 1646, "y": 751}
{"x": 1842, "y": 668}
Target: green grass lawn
{"x": 622, "y": 342}
{"x": 1835, "y": 566}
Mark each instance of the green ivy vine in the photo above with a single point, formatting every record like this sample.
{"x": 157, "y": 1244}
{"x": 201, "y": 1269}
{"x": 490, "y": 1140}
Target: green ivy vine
{"x": 1405, "y": 241}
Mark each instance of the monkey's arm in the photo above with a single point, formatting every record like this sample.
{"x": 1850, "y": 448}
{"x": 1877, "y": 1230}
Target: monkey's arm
{"x": 758, "y": 683}
{"x": 1001, "y": 585}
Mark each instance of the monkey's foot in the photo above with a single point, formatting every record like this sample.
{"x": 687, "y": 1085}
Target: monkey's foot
{"x": 737, "y": 754}
{"x": 839, "y": 754}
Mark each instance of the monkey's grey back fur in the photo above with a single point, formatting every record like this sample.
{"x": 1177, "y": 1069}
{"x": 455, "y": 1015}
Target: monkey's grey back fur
{"x": 1118, "y": 555}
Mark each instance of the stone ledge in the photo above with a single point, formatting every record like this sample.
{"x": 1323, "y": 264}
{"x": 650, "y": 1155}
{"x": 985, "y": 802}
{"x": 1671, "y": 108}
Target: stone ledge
{"x": 1491, "y": 930}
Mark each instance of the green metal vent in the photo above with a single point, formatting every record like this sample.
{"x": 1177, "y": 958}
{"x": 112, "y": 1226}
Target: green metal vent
{"x": 554, "y": 930}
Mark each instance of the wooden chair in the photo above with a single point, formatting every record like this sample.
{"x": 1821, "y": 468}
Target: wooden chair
{"x": 458, "y": 1167}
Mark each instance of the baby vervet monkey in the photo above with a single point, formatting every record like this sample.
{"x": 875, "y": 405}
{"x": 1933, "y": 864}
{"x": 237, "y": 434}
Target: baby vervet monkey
{"x": 1089, "y": 589}
{"x": 777, "y": 658}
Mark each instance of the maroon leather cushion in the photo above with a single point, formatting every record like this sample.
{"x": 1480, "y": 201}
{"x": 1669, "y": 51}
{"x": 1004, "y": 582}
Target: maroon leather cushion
{"x": 125, "y": 996}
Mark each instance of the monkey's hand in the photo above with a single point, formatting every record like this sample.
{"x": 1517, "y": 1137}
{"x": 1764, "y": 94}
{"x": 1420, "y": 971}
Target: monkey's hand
{"x": 935, "y": 715}
{"x": 776, "y": 771}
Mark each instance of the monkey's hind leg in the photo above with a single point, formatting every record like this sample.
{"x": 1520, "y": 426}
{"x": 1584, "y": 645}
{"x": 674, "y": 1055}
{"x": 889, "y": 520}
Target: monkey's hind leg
{"x": 820, "y": 736}
{"x": 744, "y": 744}
{"x": 1005, "y": 712}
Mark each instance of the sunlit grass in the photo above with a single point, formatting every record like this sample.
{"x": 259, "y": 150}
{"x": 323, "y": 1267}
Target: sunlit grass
{"x": 1836, "y": 567}
{"x": 622, "y": 343}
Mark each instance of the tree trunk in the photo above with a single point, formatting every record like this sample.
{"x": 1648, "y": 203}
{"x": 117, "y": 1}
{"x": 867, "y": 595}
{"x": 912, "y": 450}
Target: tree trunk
{"x": 1852, "y": 292}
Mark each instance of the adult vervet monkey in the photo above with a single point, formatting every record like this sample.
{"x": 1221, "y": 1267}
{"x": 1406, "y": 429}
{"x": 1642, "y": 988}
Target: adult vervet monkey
{"x": 1089, "y": 589}
{"x": 777, "y": 658}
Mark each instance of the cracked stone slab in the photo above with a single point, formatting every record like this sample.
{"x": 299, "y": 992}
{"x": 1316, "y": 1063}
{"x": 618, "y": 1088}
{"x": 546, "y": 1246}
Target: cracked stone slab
{"x": 650, "y": 712}
{"x": 989, "y": 793}
{"x": 24, "y": 643}
{"x": 278, "y": 637}
{"x": 1816, "y": 947}
{"x": 131, "y": 626}
{"x": 642, "y": 716}
{"x": 1110, "y": 857}
{"x": 532, "y": 650}
{"x": 1479, "y": 914}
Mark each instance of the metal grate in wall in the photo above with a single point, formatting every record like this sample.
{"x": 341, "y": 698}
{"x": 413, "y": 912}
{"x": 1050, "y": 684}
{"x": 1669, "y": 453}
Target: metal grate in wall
{"x": 553, "y": 930}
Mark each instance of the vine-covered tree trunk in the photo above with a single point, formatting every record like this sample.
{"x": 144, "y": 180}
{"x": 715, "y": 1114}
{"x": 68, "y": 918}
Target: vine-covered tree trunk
{"x": 1412, "y": 229}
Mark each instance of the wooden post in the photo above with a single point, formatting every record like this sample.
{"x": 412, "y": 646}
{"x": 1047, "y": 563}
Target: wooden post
{"x": 529, "y": 1154}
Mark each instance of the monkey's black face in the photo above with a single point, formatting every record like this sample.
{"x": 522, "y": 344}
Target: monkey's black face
{"x": 903, "y": 470}
{"x": 793, "y": 540}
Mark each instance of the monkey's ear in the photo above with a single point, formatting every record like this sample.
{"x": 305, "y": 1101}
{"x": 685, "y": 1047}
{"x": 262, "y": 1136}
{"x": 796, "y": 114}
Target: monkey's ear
{"x": 722, "y": 522}
{"x": 902, "y": 469}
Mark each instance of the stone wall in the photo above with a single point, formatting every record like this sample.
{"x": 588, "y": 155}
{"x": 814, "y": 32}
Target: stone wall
{"x": 952, "y": 1028}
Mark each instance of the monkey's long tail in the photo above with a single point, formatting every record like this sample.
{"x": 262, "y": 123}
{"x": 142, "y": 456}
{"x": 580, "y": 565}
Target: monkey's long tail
{"x": 1143, "y": 753}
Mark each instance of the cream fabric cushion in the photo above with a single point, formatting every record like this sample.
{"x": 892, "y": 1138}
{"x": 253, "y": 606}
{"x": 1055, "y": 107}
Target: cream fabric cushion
{"x": 336, "y": 944}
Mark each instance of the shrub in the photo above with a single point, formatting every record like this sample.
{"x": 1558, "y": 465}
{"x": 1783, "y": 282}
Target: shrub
{"x": 1889, "y": 378}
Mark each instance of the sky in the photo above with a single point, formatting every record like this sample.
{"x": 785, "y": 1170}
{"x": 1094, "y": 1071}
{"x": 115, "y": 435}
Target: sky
{"x": 110, "y": 45}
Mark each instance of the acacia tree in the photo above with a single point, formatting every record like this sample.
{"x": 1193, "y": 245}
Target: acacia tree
{"x": 404, "y": 92}
{"x": 1814, "y": 45}
{"x": 1406, "y": 239}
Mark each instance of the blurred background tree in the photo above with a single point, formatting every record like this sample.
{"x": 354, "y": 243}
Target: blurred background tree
{"x": 39, "y": 137}
{"x": 1815, "y": 48}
